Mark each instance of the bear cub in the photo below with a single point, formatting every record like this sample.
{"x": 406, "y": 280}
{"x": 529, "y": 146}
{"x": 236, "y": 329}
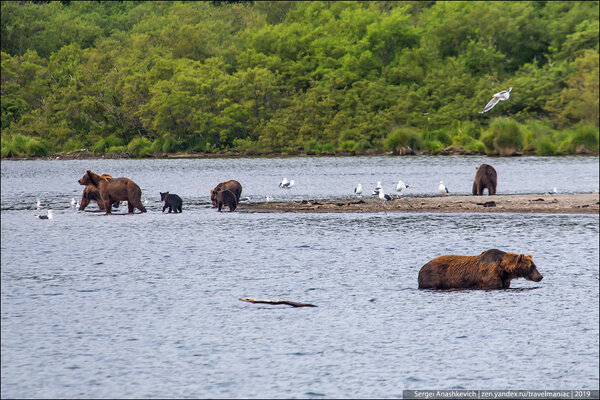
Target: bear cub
{"x": 172, "y": 201}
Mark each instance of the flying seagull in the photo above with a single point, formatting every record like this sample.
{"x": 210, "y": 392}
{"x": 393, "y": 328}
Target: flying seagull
{"x": 503, "y": 95}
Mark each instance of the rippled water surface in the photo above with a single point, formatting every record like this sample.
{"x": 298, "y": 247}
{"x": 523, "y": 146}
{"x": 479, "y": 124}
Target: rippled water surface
{"x": 146, "y": 305}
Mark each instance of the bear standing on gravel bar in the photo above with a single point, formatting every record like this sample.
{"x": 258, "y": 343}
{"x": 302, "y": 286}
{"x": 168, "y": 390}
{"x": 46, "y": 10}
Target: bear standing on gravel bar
{"x": 172, "y": 202}
{"x": 226, "y": 198}
{"x": 234, "y": 186}
{"x": 485, "y": 178}
{"x": 492, "y": 269}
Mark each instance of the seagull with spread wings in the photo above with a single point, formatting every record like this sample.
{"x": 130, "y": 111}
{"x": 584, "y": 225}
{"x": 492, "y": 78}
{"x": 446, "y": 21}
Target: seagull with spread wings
{"x": 503, "y": 95}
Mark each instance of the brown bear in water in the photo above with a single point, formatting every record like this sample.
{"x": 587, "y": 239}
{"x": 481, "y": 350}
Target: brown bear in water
{"x": 234, "y": 186}
{"x": 485, "y": 178}
{"x": 226, "y": 198}
{"x": 91, "y": 193}
{"x": 114, "y": 190}
{"x": 492, "y": 269}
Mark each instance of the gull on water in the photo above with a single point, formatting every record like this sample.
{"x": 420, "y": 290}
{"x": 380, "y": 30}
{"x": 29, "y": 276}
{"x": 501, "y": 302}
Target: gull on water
{"x": 401, "y": 185}
{"x": 503, "y": 95}
{"x": 358, "y": 189}
{"x": 443, "y": 189}
{"x": 287, "y": 185}
{"x": 38, "y": 204}
{"x": 73, "y": 201}
{"x": 49, "y": 216}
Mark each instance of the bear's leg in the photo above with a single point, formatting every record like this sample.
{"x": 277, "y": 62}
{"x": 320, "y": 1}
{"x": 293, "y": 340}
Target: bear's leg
{"x": 130, "y": 208}
{"x": 84, "y": 203}
{"x": 492, "y": 190}
{"x": 106, "y": 204}
{"x": 219, "y": 205}
{"x": 170, "y": 209}
{"x": 165, "y": 207}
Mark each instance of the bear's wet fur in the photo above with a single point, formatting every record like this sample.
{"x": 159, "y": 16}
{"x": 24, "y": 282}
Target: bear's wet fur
{"x": 234, "y": 186}
{"x": 485, "y": 178}
{"x": 492, "y": 269}
{"x": 226, "y": 198}
{"x": 172, "y": 202}
{"x": 91, "y": 193}
{"x": 114, "y": 190}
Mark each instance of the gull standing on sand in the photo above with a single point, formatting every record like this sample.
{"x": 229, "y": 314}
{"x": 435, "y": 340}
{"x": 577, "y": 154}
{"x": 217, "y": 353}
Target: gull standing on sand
{"x": 377, "y": 189}
{"x": 384, "y": 196}
{"x": 443, "y": 189}
{"x": 401, "y": 185}
{"x": 358, "y": 189}
{"x": 503, "y": 95}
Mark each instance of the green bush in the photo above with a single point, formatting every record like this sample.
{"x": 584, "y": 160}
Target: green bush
{"x": 544, "y": 146}
{"x": 433, "y": 146}
{"x": 402, "y": 138}
{"x": 349, "y": 145}
{"x": 139, "y": 147}
{"x": 585, "y": 138}
{"x": 534, "y": 130}
{"x": 363, "y": 144}
{"x": 116, "y": 150}
{"x": 73, "y": 144}
{"x": 504, "y": 136}
{"x": 105, "y": 143}
{"x": 37, "y": 147}
{"x": 476, "y": 146}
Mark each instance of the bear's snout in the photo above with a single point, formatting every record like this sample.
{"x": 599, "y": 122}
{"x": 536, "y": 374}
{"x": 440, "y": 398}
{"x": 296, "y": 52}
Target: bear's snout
{"x": 535, "y": 275}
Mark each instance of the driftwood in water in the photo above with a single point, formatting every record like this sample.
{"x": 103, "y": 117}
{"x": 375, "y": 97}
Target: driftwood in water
{"x": 289, "y": 303}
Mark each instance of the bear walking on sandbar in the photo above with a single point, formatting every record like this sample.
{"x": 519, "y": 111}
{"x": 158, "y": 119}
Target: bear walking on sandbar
{"x": 485, "y": 178}
{"x": 226, "y": 198}
{"x": 492, "y": 269}
{"x": 172, "y": 202}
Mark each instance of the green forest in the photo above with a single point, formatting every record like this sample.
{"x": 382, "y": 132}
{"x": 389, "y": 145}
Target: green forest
{"x": 145, "y": 79}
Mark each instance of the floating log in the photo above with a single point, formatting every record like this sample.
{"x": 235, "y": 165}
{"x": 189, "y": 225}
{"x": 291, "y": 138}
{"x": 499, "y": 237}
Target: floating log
{"x": 274, "y": 302}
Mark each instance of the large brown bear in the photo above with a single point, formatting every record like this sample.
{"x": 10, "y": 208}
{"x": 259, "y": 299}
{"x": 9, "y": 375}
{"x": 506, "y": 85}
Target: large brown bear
{"x": 492, "y": 269}
{"x": 234, "y": 186}
{"x": 226, "y": 198}
{"x": 115, "y": 189}
{"x": 485, "y": 178}
{"x": 91, "y": 193}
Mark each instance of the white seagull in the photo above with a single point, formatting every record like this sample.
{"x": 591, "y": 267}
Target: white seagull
{"x": 401, "y": 185}
{"x": 73, "y": 201}
{"x": 38, "y": 204}
{"x": 554, "y": 191}
{"x": 358, "y": 189}
{"x": 443, "y": 189}
{"x": 503, "y": 95}
{"x": 377, "y": 189}
{"x": 384, "y": 196}
{"x": 287, "y": 185}
{"x": 49, "y": 216}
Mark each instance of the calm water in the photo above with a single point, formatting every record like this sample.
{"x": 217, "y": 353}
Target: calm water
{"x": 147, "y": 305}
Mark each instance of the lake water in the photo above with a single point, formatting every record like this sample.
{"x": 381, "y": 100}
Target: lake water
{"x": 146, "y": 305}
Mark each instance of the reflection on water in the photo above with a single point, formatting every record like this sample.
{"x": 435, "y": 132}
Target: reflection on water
{"x": 147, "y": 305}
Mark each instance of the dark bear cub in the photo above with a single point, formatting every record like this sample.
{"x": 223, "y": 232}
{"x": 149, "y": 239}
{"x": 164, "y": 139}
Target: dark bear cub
{"x": 172, "y": 201}
{"x": 226, "y": 198}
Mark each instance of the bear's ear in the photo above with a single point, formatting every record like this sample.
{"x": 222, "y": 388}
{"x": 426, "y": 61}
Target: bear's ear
{"x": 93, "y": 177}
{"x": 521, "y": 258}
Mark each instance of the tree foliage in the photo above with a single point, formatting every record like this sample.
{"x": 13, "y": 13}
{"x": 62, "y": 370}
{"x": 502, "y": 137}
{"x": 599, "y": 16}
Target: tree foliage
{"x": 298, "y": 77}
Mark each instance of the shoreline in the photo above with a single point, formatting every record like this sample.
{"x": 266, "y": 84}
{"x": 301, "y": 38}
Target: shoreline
{"x": 164, "y": 156}
{"x": 586, "y": 203}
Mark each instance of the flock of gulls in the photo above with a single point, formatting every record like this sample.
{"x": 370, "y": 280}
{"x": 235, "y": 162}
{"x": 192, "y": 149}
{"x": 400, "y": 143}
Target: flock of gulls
{"x": 358, "y": 190}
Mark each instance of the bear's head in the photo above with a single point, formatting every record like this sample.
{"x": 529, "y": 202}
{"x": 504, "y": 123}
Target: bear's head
{"x": 163, "y": 195}
{"x": 524, "y": 267}
{"x": 213, "y": 197}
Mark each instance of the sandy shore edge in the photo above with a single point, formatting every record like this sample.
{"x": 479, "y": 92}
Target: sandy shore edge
{"x": 586, "y": 203}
